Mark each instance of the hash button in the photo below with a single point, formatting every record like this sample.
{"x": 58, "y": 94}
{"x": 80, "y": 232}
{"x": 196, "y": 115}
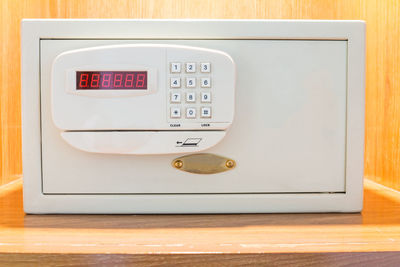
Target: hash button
{"x": 205, "y": 112}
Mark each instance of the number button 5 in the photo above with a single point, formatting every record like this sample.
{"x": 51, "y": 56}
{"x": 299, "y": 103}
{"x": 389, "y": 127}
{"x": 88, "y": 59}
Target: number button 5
{"x": 190, "y": 82}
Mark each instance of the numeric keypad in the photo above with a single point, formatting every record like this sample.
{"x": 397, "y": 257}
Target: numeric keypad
{"x": 190, "y": 90}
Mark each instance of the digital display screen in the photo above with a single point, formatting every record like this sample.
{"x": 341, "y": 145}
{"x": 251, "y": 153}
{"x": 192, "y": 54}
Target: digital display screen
{"x": 111, "y": 80}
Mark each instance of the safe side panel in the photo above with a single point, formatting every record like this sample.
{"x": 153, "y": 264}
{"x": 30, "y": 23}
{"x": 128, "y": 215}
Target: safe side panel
{"x": 288, "y": 134}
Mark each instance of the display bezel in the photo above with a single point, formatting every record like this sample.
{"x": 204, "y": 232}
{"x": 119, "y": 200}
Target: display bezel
{"x": 137, "y": 77}
{"x": 71, "y": 80}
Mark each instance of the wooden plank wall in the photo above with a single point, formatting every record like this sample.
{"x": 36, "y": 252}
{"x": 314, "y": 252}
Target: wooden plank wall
{"x": 382, "y": 157}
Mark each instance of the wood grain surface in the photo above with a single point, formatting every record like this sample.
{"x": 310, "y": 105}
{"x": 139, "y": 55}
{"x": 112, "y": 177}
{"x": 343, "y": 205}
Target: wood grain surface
{"x": 382, "y": 157}
{"x": 364, "y": 259}
{"x": 366, "y": 238}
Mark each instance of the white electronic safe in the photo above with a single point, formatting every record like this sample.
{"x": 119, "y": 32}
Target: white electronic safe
{"x": 192, "y": 116}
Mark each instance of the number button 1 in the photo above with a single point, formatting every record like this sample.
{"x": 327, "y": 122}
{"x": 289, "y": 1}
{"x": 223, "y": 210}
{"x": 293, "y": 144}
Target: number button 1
{"x": 175, "y": 67}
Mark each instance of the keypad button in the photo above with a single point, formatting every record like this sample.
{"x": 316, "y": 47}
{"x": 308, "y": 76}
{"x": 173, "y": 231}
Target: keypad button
{"x": 175, "y": 67}
{"x": 205, "y": 97}
{"x": 205, "y": 82}
{"x": 191, "y": 97}
{"x": 175, "y": 82}
{"x": 205, "y": 112}
{"x": 175, "y": 112}
{"x": 205, "y": 67}
{"x": 190, "y": 67}
{"x": 175, "y": 97}
{"x": 190, "y": 113}
{"x": 190, "y": 82}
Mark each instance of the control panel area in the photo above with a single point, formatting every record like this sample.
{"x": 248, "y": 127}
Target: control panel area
{"x": 143, "y": 88}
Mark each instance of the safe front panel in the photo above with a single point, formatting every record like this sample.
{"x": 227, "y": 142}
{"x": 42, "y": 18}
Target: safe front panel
{"x": 288, "y": 135}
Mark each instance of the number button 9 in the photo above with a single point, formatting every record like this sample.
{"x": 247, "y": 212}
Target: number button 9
{"x": 206, "y": 97}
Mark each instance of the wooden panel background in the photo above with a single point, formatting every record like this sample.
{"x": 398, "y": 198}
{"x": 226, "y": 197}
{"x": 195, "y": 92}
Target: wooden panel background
{"x": 382, "y": 157}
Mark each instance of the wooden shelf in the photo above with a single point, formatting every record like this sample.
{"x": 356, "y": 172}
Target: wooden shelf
{"x": 366, "y": 238}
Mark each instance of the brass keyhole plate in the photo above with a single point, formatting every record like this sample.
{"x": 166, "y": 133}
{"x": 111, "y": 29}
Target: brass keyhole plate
{"x": 203, "y": 163}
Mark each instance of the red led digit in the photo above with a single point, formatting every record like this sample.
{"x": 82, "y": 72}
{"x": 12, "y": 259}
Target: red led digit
{"x": 83, "y": 81}
{"x": 129, "y": 80}
{"x": 140, "y": 78}
{"x": 117, "y": 80}
{"x": 106, "y": 80}
{"x": 95, "y": 80}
